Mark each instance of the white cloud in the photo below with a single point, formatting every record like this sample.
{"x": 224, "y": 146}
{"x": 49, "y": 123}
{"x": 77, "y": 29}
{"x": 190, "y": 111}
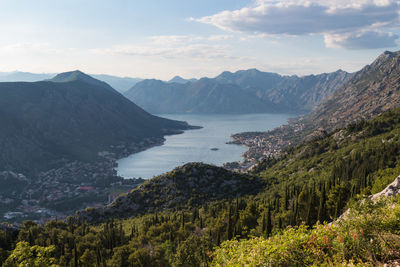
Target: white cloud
{"x": 361, "y": 40}
{"x": 333, "y": 18}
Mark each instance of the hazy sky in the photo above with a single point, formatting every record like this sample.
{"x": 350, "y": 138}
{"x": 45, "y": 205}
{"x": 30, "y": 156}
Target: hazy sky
{"x": 194, "y": 38}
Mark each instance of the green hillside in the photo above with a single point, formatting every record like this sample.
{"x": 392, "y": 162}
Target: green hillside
{"x": 310, "y": 183}
{"x": 71, "y": 118}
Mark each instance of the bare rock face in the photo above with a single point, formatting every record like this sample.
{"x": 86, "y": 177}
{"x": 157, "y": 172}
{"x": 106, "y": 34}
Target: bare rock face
{"x": 371, "y": 91}
{"x": 390, "y": 190}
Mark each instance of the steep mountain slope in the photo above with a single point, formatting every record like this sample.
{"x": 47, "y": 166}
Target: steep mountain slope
{"x": 204, "y": 96}
{"x": 366, "y": 94}
{"x": 293, "y": 93}
{"x": 73, "y": 118}
{"x": 240, "y": 92}
{"x": 371, "y": 91}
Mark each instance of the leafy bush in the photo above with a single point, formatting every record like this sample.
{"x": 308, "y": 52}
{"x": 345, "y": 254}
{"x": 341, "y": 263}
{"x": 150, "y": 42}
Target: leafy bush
{"x": 369, "y": 234}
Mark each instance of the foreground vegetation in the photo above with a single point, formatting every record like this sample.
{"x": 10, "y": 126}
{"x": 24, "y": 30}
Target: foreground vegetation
{"x": 369, "y": 235}
{"x": 277, "y": 226}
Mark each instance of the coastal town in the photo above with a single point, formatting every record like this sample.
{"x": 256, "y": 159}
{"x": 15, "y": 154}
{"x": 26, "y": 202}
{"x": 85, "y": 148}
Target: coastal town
{"x": 59, "y": 192}
{"x": 266, "y": 144}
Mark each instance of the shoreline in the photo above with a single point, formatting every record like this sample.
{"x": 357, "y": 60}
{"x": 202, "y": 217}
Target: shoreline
{"x": 75, "y": 185}
{"x": 268, "y": 144}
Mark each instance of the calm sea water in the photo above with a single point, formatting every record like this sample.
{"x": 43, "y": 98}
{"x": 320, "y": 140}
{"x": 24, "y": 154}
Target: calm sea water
{"x": 195, "y": 145}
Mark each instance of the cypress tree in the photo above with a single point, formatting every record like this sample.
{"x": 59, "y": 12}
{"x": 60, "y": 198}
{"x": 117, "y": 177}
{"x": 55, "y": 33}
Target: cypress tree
{"x": 183, "y": 220}
{"x": 229, "y": 225}
{"x": 286, "y": 198}
{"x": 322, "y": 206}
{"x": 229, "y": 228}
{"x": 195, "y": 215}
{"x": 338, "y": 205}
{"x": 263, "y": 224}
{"x": 309, "y": 218}
{"x": 268, "y": 226}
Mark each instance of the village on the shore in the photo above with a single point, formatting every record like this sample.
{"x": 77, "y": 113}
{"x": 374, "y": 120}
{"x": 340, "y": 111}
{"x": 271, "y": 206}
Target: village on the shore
{"x": 59, "y": 192}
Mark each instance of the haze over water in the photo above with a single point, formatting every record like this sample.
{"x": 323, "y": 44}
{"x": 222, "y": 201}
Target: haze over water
{"x": 195, "y": 145}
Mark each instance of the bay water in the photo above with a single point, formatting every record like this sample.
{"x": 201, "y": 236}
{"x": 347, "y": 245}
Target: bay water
{"x": 206, "y": 145}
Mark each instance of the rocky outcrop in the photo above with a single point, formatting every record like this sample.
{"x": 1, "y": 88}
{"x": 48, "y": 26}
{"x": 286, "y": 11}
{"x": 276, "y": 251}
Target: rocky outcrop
{"x": 391, "y": 190}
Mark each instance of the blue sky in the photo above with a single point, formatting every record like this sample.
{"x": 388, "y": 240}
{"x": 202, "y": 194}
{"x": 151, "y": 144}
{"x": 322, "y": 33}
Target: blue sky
{"x": 189, "y": 38}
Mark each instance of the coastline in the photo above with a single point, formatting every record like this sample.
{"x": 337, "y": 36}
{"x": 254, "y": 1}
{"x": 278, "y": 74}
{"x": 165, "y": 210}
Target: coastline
{"x": 75, "y": 185}
{"x": 268, "y": 144}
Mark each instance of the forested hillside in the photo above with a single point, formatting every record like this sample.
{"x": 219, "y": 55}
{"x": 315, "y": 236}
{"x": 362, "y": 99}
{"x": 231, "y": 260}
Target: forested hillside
{"x": 310, "y": 183}
{"x": 71, "y": 117}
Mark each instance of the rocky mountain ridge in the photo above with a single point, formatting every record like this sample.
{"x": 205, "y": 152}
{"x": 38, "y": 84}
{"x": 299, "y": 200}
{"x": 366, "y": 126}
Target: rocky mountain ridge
{"x": 371, "y": 91}
{"x": 247, "y": 91}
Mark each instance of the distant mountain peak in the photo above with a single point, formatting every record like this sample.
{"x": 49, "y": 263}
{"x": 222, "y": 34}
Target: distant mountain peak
{"x": 178, "y": 79}
{"x": 77, "y": 75}
{"x": 70, "y": 76}
{"x": 253, "y": 70}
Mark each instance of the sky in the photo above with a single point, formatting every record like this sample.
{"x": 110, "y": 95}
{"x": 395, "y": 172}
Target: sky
{"x": 192, "y": 38}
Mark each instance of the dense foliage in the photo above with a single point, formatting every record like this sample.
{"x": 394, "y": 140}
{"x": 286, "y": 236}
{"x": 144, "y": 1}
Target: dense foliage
{"x": 310, "y": 183}
{"x": 368, "y": 235}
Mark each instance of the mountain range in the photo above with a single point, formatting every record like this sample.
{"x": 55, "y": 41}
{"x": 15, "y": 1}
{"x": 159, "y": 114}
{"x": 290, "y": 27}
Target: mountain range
{"x": 245, "y": 91}
{"x": 121, "y": 84}
{"x": 72, "y": 116}
{"x": 364, "y": 95}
